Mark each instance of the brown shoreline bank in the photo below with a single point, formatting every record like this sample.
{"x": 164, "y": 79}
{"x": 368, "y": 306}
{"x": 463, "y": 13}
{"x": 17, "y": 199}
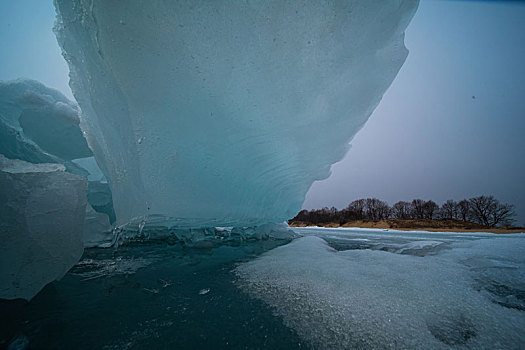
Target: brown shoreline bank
{"x": 415, "y": 225}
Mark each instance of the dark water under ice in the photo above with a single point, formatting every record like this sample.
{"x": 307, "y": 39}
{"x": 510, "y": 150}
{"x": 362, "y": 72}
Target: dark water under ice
{"x": 149, "y": 297}
{"x": 329, "y": 289}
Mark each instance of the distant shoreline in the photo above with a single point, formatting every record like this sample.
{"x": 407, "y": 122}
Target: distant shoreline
{"x": 415, "y": 225}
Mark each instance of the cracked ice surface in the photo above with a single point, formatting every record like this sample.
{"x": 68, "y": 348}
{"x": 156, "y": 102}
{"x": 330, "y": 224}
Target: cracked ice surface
{"x": 224, "y": 113}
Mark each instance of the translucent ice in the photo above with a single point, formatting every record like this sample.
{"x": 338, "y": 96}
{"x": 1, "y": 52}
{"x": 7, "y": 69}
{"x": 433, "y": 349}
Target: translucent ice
{"x": 97, "y": 229}
{"x": 224, "y": 113}
{"x": 39, "y": 124}
{"x": 41, "y": 222}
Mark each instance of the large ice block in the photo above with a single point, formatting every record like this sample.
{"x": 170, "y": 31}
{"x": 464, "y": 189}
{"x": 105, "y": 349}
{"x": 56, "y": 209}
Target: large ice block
{"x": 224, "y": 113}
{"x": 41, "y": 223}
{"x": 39, "y": 124}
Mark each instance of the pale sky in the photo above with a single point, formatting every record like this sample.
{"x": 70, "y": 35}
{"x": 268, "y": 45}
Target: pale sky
{"x": 429, "y": 138}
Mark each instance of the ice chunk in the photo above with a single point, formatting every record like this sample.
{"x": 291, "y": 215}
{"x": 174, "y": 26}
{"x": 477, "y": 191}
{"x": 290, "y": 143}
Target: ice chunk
{"x": 224, "y": 113}
{"x": 157, "y": 228}
{"x": 276, "y": 231}
{"x": 97, "y": 229}
{"x": 90, "y": 165}
{"x": 39, "y": 124}
{"x": 99, "y": 197}
{"x": 41, "y": 221}
{"x": 99, "y": 192}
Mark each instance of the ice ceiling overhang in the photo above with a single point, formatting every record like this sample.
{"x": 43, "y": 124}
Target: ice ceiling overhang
{"x": 225, "y": 112}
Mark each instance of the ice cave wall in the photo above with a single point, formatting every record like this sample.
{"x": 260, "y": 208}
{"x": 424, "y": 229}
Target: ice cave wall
{"x": 224, "y": 113}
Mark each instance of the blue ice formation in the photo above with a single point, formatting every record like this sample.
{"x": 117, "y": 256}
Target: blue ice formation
{"x": 225, "y": 113}
{"x": 42, "y": 214}
{"x": 47, "y": 177}
{"x": 39, "y": 124}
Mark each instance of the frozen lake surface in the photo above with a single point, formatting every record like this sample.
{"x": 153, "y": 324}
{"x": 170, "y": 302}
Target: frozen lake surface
{"x": 330, "y": 288}
{"x": 355, "y": 288}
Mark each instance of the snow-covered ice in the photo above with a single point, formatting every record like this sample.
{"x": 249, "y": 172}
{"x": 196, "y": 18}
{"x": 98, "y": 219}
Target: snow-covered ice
{"x": 41, "y": 223}
{"x": 40, "y": 125}
{"x": 420, "y": 290}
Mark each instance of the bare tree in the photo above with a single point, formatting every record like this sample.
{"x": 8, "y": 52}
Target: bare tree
{"x": 371, "y": 208}
{"x": 383, "y": 210}
{"x": 401, "y": 210}
{"x": 449, "y": 210}
{"x": 303, "y": 215}
{"x": 480, "y": 208}
{"x": 356, "y": 209}
{"x": 429, "y": 209}
{"x": 488, "y": 211}
{"x": 376, "y": 209}
{"x": 503, "y": 215}
{"x": 463, "y": 209}
{"x": 416, "y": 208}
{"x": 485, "y": 210}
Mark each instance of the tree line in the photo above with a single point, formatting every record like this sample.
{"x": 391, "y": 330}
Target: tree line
{"x": 483, "y": 210}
